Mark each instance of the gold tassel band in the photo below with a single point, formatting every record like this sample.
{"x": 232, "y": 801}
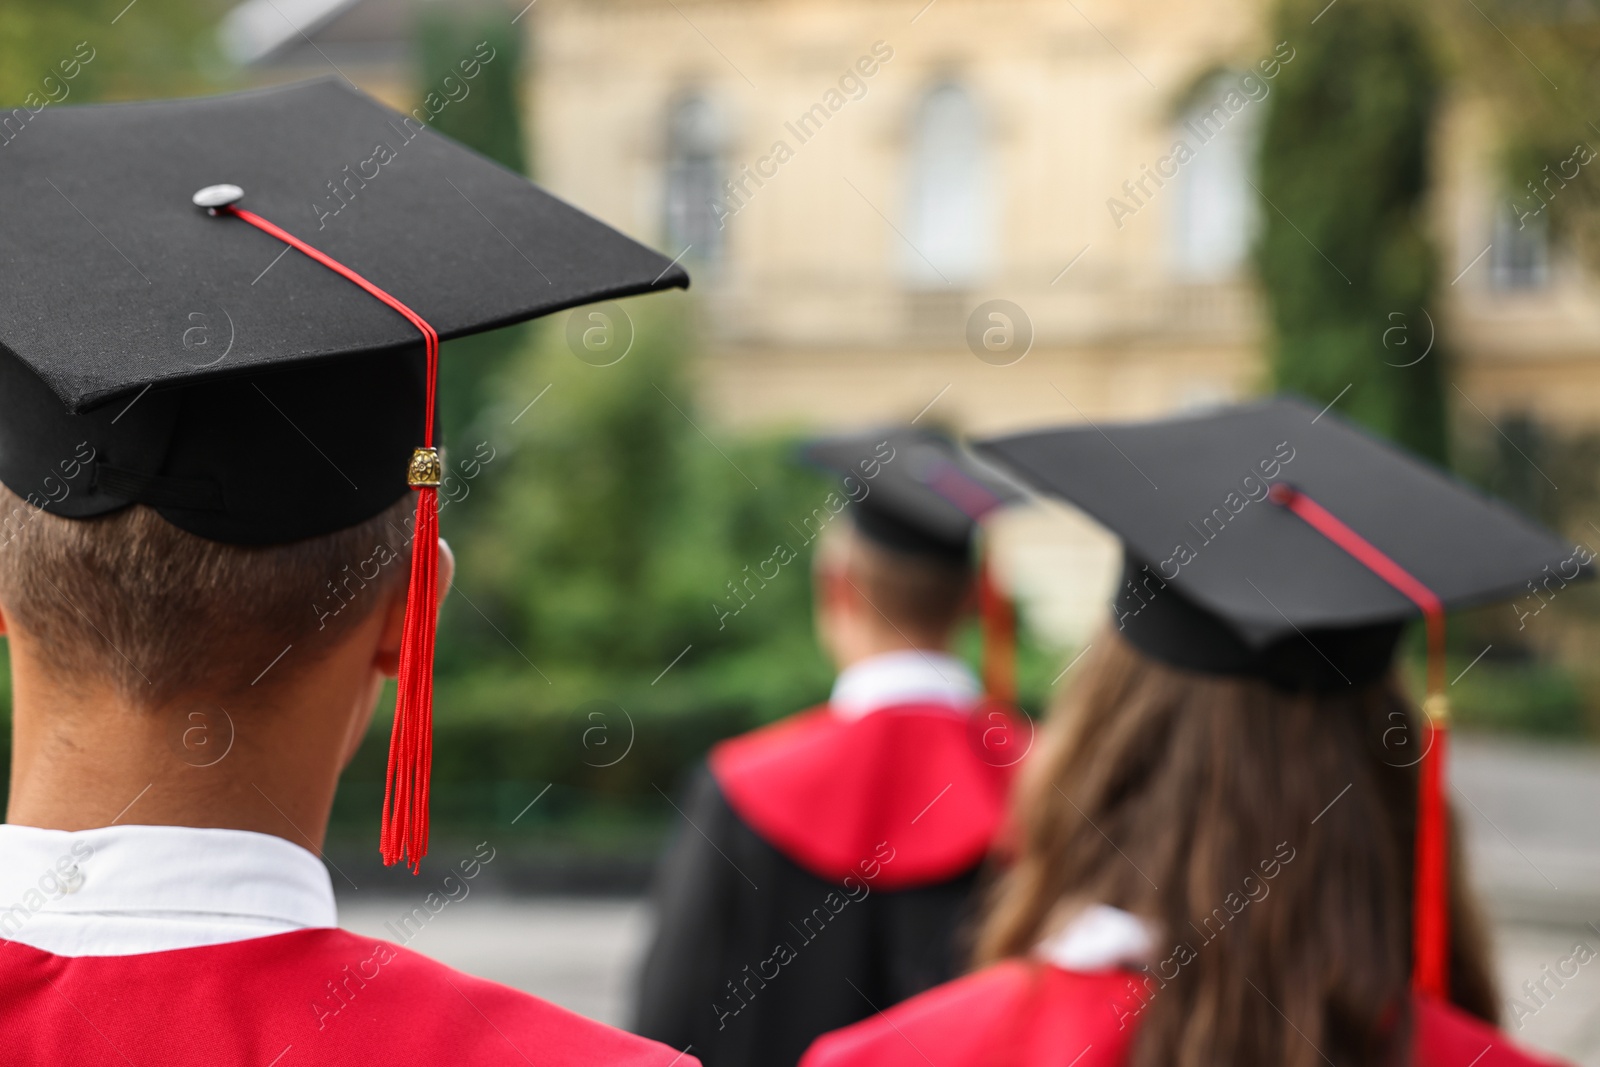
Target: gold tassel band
{"x": 425, "y": 469}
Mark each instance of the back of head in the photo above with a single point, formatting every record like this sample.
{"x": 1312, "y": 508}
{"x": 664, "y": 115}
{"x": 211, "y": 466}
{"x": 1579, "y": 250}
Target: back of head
{"x": 129, "y": 603}
{"x": 917, "y": 597}
{"x": 1266, "y": 834}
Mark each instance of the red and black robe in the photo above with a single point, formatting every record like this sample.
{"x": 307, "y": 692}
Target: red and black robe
{"x": 825, "y": 869}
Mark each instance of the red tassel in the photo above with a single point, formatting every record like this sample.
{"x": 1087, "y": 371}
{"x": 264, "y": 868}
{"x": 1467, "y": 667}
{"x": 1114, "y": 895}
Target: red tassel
{"x": 1430, "y": 889}
{"x": 1430, "y": 923}
{"x": 998, "y": 621}
{"x": 405, "y": 795}
{"x": 404, "y": 835}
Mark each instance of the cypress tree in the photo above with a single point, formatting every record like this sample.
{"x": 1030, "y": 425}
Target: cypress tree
{"x": 1344, "y": 256}
{"x": 482, "y": 108}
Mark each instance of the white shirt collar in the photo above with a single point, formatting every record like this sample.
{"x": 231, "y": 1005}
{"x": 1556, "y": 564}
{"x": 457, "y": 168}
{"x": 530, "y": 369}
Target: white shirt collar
{"x": 1099, "y": 938}
{"x": 909, "y": 676}
{"x": 123, "y": 890}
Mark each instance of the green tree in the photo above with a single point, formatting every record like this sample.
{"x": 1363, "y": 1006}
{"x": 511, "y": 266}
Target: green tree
{"x": 1344, "y": 255}
{"x": 484, "y": 110}
{"x": 609, "y": 529}
{"x": 128, "y": 51}
{"x": 1531, "y": 65}
{"x": 470, "y": 78}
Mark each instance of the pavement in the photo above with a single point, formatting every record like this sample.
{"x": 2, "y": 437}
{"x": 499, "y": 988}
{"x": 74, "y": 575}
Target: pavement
{"x": 579, "y": 953}
{"x": 1530, "y": 815}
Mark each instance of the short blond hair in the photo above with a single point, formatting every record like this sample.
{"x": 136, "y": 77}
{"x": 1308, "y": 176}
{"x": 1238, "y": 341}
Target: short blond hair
{"x": 129, "y": 600}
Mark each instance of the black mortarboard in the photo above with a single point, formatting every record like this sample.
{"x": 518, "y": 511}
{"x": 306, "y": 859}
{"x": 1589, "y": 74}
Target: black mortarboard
{"x": 1219, "y": 578}
{"x": 282, "y": 401}
{"x": 275, "y": 269}
{"x": 913, "y": 491}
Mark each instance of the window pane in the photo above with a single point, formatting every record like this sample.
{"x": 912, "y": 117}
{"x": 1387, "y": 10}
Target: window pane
{"x": 694, "y": 174}
{"x": 1214, "y": 212}
{"x": 1520, "y": 255}
{"x": 949, "y": 219}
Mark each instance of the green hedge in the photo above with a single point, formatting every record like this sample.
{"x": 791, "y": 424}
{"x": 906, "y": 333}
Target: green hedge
{"x": 601, "y": 763}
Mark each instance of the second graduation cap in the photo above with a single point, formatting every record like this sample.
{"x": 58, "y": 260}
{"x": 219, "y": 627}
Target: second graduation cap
{"x": 229, "y": 309}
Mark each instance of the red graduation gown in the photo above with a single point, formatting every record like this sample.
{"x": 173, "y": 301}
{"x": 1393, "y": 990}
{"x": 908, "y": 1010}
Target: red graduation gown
{"x": 1028, "y": 1014}
{"x": 309, "y": 997}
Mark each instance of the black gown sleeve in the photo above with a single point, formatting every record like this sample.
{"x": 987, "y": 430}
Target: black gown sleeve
{"x": 692, "y": 898}
{"x": 754, "y": 957}
{"x": 925, "y": 935}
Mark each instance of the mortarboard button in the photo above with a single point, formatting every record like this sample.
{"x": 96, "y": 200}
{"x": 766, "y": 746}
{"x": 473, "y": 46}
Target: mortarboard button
{"x": 213, "y": 197}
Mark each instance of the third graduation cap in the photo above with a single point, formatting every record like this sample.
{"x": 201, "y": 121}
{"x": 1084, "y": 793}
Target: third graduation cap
{"x": 229, "y": 309}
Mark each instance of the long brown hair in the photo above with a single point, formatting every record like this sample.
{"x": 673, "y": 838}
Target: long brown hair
{"x": 1266, "y": 835}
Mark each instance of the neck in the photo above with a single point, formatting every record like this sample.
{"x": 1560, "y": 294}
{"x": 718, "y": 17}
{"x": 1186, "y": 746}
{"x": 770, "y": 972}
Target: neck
{"x": 265, "y": 761}
{"x": 855, "y": 644}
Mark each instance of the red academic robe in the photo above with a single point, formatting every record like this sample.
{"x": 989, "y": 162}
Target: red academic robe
{"x": 309, "y": 997}
{"x": 1028, "y": 1014}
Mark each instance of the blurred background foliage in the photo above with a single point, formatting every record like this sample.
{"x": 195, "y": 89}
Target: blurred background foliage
{"x": 597, "y": 527}
{"x": 169, "y": 52}
{"x": 1343, "y": 171}
{"x": 1545, "y": 96}
{"x": 489, "y": 118}
{"x": 628, "y": 525}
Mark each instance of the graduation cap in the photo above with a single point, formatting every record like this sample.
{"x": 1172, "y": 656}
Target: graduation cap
{"x": 1276, "y": 542}
{"x": 924, "y": 495}
{"x": 919, "y": 493}
{"x": 233, "y": 307}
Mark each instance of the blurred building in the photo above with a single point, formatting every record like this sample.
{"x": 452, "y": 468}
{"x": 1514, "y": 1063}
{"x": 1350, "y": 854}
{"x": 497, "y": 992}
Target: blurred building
{"x": 971, "y": 212}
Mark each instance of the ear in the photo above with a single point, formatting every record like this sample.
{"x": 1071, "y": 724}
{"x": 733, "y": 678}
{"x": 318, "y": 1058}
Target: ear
{"x": 972, "y": 602}
{"x": 828, "y": 579}
{"x": 839, "y": 592}
{"x": 387, "y": 656}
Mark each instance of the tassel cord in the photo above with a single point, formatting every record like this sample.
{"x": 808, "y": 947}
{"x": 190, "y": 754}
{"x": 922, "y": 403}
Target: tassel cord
{"x": 1430, "y": 924}
{"x": 404, "y": 835}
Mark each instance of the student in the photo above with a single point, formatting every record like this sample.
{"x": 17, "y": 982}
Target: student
{"x": 218, "y": 538}
{"x": 1231, "y": 839}
{"x": 827, "y": 862}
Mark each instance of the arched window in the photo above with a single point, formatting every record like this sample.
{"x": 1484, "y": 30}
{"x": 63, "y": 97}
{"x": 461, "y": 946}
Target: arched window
{"x": 693, "y": 203}
{"x": 1214, "y": 210}
{"x": 948, "y": 224}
